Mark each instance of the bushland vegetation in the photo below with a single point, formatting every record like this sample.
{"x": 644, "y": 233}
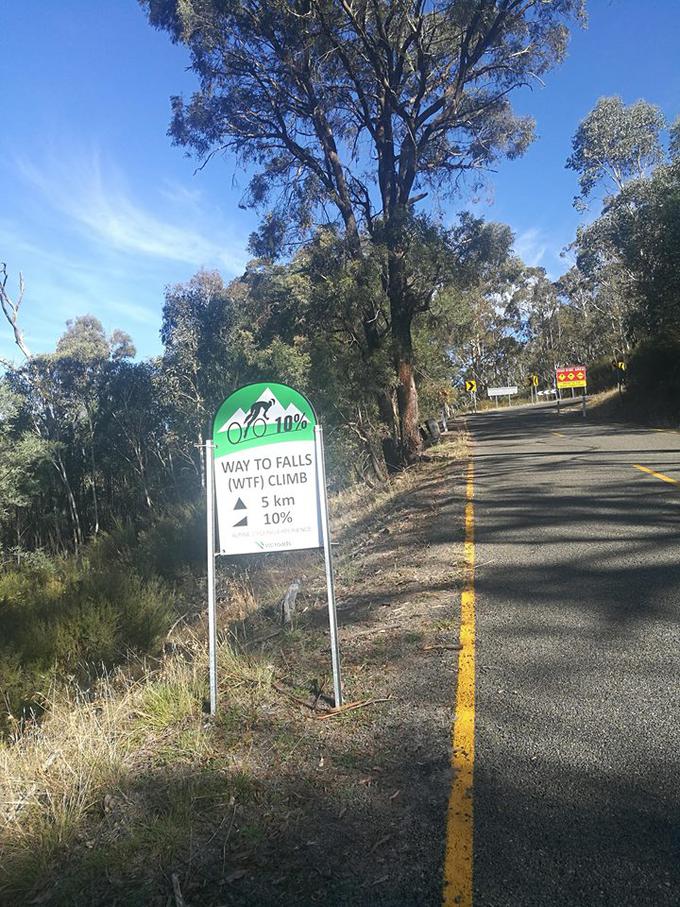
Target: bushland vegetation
{"x": 359, "y": 293}
{"x": 101, "y": 470}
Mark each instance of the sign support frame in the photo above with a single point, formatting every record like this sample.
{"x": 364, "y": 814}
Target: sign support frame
{"x": 322, "y": 536}
{"x": 212, "y": 603}
{"x": 328, "y": 558}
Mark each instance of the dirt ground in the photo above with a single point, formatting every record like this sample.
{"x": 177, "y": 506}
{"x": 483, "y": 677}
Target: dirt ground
{"x": 351, "y": 810}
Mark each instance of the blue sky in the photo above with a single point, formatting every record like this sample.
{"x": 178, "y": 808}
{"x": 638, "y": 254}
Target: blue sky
{"x": 101, "y": 212}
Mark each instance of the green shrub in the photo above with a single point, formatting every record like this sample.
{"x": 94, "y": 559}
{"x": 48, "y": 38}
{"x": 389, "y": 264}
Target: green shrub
{"x": 170, "y": 547}
{"x": 73, "y": 622}
{"x": 602, "y": 375}
{"x": 653, "y": 377}
{"x": 173, "y": 544}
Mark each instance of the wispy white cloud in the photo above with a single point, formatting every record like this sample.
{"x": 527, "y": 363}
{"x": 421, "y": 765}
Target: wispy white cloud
{"x": 57, "y": 281}
{"x": 61, "y": 285}
{"x": 531, "y": 246}
{"x": 91, "y": 241}
{"x": 94, "y": 197}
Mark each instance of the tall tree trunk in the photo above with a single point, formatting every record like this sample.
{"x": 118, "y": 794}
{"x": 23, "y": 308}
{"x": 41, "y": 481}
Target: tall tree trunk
{"x": 70, "y": 497}
{"x": 95, "y": 501}
{"x": 407, "y": 395}
{"x": 401, "y": 319}
{"x": 385, "y": 398}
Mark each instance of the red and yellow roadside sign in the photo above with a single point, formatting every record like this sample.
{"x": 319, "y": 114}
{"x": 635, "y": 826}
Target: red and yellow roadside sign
{"x": 571, "y": 376}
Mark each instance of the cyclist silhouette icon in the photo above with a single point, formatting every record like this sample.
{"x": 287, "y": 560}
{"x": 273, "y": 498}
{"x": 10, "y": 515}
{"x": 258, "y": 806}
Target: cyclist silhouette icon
{"x": 257, "y": 411}
{"x": 256, "y": 420}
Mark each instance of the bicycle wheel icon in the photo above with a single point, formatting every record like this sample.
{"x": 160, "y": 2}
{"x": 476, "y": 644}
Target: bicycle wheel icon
{"x": 259, "y": 427}
{"x": 234, "y": 433}
{"x": 237, "y": 433}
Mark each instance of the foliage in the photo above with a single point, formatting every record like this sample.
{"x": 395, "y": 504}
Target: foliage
{"x": 615, "y": 143}
{"x": 73, "y": 620}
{"x": 653, "y": 377}
{"x": 643, "y": 226}
{"x": 628, "y": 255}
{"x": 603, "y": 375}
{"x": 350, "y": 114}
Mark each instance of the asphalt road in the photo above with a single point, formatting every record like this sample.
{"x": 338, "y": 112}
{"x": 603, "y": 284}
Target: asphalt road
{"x": 577, "y": 766}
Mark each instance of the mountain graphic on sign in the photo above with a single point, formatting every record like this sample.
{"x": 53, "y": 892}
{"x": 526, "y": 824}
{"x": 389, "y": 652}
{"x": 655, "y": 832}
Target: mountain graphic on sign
{"x": 273, "y": 412}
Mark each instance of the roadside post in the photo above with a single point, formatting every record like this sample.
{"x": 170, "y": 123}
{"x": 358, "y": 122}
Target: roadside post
{"x": 572, "y": 376}
{"x": 534, "y": 388}
{"x": 212, "y": 605}
{"x": 471, "y": 388}
{"x": 266, "y": 479}
{"x": 620, "y": 366}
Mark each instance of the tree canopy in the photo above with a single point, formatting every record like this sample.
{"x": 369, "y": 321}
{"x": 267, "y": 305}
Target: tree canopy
{"x": 616, "y": 143}
{"x": 354, "y": 112}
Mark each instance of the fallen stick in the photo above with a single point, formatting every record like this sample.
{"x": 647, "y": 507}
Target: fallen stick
{"x": 262, "y": 639}
{"x": 296, "y": 699}
{"x": 349, "y": 707}
{"x": 179, "y": 900}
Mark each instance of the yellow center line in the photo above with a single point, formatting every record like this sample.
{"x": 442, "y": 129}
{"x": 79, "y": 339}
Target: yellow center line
{"x": 657, "y": 475}
{"x": 561, "y": 435}
{"x": 459, "y": 824}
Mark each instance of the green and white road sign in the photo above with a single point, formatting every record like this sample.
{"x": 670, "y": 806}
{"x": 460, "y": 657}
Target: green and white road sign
{"x": 266, "y": 469}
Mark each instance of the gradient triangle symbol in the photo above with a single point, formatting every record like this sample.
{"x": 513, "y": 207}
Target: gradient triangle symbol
{"x": 243, "y": 522}
{"x": 239, "y": 505}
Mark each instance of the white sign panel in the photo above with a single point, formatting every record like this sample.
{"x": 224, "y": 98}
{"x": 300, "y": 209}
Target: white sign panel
{"x": 266, "y": 471}
{"x": 502, "y": 391}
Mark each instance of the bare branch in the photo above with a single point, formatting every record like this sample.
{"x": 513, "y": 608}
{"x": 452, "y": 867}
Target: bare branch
{"x": 10, "y": 309}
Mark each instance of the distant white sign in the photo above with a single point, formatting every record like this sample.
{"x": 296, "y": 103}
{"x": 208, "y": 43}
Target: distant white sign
{"x": 502, "y": 391}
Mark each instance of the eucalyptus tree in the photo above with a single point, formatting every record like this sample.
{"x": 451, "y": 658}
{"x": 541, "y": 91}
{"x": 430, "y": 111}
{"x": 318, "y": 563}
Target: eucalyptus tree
{"x": 198, "y": 365}
{"x": 21, "y": 455}
{"x": 485, "y": 338}
{"x": 628, "y": 253}
{"x": 354, "y": 111}
{"x": 614, "y": 144}
{"x": 642, "y": 225}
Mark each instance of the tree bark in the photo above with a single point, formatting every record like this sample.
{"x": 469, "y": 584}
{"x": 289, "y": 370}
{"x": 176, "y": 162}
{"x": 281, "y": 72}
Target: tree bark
{"x": 407, "y": 395}
{"x": 410, "y": 442}
{"x": 70, "y": 497}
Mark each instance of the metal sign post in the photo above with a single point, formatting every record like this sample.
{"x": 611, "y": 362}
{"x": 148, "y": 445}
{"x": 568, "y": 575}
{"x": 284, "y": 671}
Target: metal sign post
{"x": 471, "y": 388}
{"x": 212, "y": 604}
{"x": 328, "y": 556}
{"x": 533, "y": 388}
{"x": 266, "y": 483}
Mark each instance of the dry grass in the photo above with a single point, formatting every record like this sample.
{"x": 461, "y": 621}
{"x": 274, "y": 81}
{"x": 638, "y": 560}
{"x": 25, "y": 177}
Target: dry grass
{"x": 53, "y": 777}
{"x": 57, "y": 778}
{"x": 111, "y": 782}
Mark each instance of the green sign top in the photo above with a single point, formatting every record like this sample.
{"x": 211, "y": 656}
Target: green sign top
{"x": 260, "y": 414}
